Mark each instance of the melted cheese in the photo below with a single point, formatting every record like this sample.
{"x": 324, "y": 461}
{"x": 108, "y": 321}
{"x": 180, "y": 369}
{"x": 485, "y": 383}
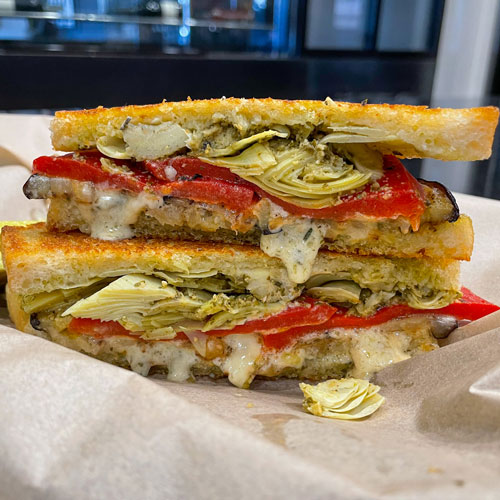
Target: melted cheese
{"x": 373, "y": 350}
{"x": 240, "y": 365}
{"x": 178, "y": 360}
{"x": 366, "y": 350}
{"x": 112, "y": 213}
{"x": 296, "y": 246}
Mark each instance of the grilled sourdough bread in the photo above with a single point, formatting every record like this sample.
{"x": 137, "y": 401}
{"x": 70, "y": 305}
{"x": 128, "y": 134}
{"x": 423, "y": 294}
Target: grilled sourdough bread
{"x": 407, "y": 131}
{"x": 38, "y": 261}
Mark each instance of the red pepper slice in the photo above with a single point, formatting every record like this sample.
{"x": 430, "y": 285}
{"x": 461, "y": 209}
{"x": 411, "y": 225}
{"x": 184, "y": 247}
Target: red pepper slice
{"x": 312, "y": 314}
{"x": 469, "y": 307}
{"x": 398, "y": 194}
{"x": 285, "y": 327}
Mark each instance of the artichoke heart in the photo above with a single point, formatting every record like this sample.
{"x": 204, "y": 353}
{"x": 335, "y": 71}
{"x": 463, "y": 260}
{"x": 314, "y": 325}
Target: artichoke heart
{"x": 56, "y": 298}
{"x": 209, "y": 280}
{"x": 133, "y": 292}
{"x": 253, "y": 160}
{"x": 157, "y": 310}
{"x": 295, "y": 174}
{"x": 143, "y": 142}
{"x": 229, "y": 311}
{"x": 337, "y": 291}
{"x": 356, "y": 134}
{"x": 435, "y": 299}
{"x": 344, "y": 399}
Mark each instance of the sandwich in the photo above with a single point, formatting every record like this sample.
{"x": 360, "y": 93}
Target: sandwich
{"x": 192, "y": 309}
{"x": 289, "y": 176}
{"x": 247, "y": 238}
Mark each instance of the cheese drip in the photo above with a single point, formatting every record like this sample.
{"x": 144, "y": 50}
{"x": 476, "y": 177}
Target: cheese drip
{"x": 240, "y": 365}
{"x": 112, "y": 213}
{"x": 296, "y": 246}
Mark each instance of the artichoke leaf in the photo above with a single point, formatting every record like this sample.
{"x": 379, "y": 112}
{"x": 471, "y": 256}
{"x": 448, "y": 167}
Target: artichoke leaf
{"x": 113, "y": 147}
{"x": 132, "y": 292}
{"x": 432, "y": 300}
{"x": 337, "y": 291}
{"x": 356, "y": 134}
{"x": 50, "y": 300}
{"x": 253, "y": 160}
{"x": 279, "y": 131}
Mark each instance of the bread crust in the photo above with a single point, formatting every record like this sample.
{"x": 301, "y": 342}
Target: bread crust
{"x": 445, "y": 134}
{"x": 38, "y": 260}
{"x": 20, "y": 319}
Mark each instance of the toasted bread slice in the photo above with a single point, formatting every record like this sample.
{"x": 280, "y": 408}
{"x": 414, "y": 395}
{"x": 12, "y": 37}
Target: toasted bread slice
{"x": 37, "y": 260}
{"x": 406, "y": 131}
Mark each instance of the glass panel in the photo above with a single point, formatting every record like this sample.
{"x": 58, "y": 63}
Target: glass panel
{"x": 158, "y": 25}
{"x": 404, "y": 25}
{"x": 338, "y": 24}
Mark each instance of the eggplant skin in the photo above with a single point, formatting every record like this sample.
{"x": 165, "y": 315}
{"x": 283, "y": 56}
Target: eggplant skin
{"x": 37, "y": 187}
{"x": 444, "y": 192}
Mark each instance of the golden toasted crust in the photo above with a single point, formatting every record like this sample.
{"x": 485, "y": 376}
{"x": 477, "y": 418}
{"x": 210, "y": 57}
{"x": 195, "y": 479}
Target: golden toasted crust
{"x": 20, "y": 319}
{"x": 446, "y": 134}
{"x": 37, "y": 260}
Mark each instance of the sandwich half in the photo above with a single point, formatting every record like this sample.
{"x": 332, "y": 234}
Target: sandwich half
{"x": 195, "y": 309}
{"x": 289, "y": 176}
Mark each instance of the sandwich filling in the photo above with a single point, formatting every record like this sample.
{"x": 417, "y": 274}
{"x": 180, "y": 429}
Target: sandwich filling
{"x": 143, "y": 323}
{"x": 291, "y": 195}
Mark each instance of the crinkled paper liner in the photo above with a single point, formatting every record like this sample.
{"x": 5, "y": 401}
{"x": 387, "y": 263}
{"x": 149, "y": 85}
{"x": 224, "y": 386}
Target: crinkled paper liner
{"x": 74, "y": 427}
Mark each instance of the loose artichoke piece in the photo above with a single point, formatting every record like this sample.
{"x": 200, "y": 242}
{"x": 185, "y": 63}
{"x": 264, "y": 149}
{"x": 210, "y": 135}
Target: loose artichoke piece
{"x": 344, "y": 399}
{"x": 337, "y": 291}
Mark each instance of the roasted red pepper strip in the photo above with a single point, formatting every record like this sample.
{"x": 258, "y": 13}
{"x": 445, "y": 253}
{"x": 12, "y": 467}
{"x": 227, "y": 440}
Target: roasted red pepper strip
{"x": 298, "y": 321}
{"x": 398, "y": 194}
{"x": 469, "y": 307}
{"x": 217, "y": 192}
{"x": 315, "y": 313}
{"x": 185, "y": 166}
{"x": 87, "y": 167}
{"x": 97, "y": 329}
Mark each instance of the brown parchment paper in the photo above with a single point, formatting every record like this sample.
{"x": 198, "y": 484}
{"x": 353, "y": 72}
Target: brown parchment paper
{"x": 74, "y": 427}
